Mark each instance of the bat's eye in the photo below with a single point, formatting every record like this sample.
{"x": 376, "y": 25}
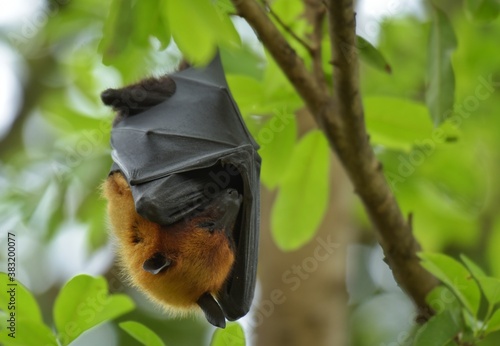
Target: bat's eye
{"x": 209, "y": 225}
{"x": 136, "y": 235}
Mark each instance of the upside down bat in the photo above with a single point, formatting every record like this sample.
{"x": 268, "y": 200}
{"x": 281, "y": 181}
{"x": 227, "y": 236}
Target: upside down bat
{"x": 183, "y": 193}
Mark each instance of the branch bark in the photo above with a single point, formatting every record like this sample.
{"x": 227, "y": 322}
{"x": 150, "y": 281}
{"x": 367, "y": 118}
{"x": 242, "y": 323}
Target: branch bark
{"x": 316, "y": 13}
{"x": 341, "y": 118}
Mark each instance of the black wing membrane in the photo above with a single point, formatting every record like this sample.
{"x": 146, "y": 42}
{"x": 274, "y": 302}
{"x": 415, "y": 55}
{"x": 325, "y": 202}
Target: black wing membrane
{"x": 181, "y": 152}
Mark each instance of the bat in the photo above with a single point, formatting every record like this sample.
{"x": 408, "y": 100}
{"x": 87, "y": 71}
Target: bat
{"x": 183, "y": 192}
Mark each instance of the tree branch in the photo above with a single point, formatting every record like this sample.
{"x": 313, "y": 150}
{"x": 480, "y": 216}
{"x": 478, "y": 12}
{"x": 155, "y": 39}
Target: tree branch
{"x": 394, "y": 233}
{"x": 342, "y": 120}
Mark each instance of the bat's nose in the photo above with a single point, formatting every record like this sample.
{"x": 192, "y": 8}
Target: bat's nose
{"x": 156, "y": 263}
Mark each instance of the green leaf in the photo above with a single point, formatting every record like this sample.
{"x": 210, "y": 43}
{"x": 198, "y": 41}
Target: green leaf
{"x": 264, "y": 95}
{"x": 150, "y": 19}
{"x": 482, "y": 10}
{"x": 494, "y": 322}
{"x": 28, "y": 332}
{"x": 288, "y": 11}
{"x": 225, "y": 6}
{"x": 232, "y": 335}
{"x": 242, "y": 60}
{"x": 84, "y": 303}
{"x": 247, "y": 92}
{"x": 162, "y": 28}
{"x": 220, "y": 23}
{"x": 197, "y": 43}
{"x": 456, "y": 277}
{"x": 489, "y": 285}
{"x": 372, "y": 56}
{"x": 278, "y": 90}
{"x": 26, "y": 306}
{"x": 141, "y": 333}
{"x": 303, "y": 193}
{"x": 473, "y": 267}
{"x": 441, "y": 298}
{"x": 277, "y": 140}
{"x": 27, "y": 316}
{"x": 493, "y": 253}
{"x": 256, "y": 97}
{"x": 438, "y": 331}
{"x": 396, "y": 123}
{"x": 207, "y": 27}
{"x": 116, "y": 31}
{"x": 491, "y": 289}
{"x": 440, "y": 93}
{"x": 145, "y": 16}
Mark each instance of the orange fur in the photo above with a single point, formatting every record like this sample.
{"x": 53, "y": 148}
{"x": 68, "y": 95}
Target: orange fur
{"x": 201, "y": 260}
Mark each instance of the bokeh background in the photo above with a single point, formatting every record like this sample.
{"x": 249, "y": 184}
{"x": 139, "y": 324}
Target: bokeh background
{"x": 54, "y": 155}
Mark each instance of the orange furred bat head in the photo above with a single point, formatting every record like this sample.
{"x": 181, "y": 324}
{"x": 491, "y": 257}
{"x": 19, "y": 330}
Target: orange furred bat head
{"x": 182, "y": 265}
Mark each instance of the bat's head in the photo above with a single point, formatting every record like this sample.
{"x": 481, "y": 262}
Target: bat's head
{"x": 180, "y": 265}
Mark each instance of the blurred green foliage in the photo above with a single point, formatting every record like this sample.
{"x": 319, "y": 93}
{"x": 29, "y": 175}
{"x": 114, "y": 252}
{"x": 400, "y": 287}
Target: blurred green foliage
{"x": 82, "y": 304}
{"x": 459, "y": 319}
{"x": 438, "y": 145}
{"x": 305, "y": 180}
{"x": 232, "y": 335}
{"x": 142, "y": 333}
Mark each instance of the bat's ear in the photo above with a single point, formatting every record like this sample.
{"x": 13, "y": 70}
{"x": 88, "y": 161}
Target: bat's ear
{"x": 212, "y": 310}
{"x": 156, "y": 263}
{"x": 136, "y": 98}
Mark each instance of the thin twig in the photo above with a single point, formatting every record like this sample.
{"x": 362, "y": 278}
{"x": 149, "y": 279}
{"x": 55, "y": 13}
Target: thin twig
{"x": 287, "y": 28}
{"x": 315, "y": 12}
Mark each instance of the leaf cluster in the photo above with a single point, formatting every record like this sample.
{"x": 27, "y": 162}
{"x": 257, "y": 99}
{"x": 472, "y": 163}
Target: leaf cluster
{"x": 467, "y": 306}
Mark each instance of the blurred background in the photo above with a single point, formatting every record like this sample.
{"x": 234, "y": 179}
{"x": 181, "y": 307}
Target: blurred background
{"x": 54, "y": 155}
